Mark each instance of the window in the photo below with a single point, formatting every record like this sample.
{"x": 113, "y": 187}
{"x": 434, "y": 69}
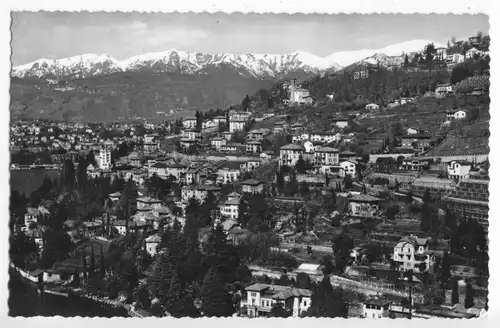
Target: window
{"x": 253, "y": 294}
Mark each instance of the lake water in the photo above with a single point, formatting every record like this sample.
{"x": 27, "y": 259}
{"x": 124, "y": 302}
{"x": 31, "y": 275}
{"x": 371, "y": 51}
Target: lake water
{"x": 28, "y": 181}
{"x": 25, "y": 301}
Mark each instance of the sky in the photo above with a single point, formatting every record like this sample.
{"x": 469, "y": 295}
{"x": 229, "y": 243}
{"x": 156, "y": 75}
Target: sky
{"x": 54, "y": 35}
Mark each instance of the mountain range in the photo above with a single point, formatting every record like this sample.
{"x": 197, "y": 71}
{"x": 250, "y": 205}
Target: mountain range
{"x": 102, "y": 88}
{"x": 260, "y": 66}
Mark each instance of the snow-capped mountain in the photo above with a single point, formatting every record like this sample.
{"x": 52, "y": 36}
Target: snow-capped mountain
{"x": 71, "y": 67}
{"x": 256, "y": 65}
{"x": 345, "y": 58}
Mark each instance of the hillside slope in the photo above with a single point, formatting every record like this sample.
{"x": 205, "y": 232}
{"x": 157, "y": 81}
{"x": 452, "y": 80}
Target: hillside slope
{"x": 127, "y": 95}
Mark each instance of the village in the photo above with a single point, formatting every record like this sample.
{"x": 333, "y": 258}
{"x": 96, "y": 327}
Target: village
{"x": 383, "y": 207}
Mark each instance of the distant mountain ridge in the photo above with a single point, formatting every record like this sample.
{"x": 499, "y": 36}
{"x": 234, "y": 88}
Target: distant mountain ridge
{"x": 260, "y": 66}
{"x": 173, "y": 61}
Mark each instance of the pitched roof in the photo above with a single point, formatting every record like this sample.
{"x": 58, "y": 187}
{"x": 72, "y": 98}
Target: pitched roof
{"x": 252, "y": 182}
{"x": 327, "y": 150}
{"x": 292, "y": 147}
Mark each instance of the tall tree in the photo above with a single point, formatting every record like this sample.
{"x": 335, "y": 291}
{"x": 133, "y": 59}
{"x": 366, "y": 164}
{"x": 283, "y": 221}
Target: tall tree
{"x": 199, "y": 119}
{"x": 102, "y": 270}
{"x": 300, "y": 166}
{"x": 164, "y": 272}
{"x": 445, "y": 270}
{"x": 174, "y": 295}
{"x": 221, "y": 254}
{"x": 68, "y": 173}
{"x": 327, "y": 302}
{"x": 216, "y": 301}
{"x": 84, "y": 263}
{"x": 469, "y": 296}
{"x": 342, "y": 245}
{"x": 246, "y": 102}
{"x": 92, "y": 262}
{"x": 455, "y": 299}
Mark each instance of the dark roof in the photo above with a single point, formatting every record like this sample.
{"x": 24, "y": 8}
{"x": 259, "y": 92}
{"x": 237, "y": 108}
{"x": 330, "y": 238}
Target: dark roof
{"x": 252, "y": 182}
{"x": 257, "y": 287}
{"x": 159, "y": 165}
{"x": 385, "y": 160}
{"x": 176, "y": 165}
{"x": 417, "y": 136}
{"x": 339, "y": 119}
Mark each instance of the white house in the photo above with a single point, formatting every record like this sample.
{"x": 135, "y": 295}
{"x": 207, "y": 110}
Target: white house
{"x": 458, "y": 169}
{"x": 252, "y": 186}
{"x": 236, "y": 125}
{"x": 189, "y": 123}
{"x": 121, "y": 226}
{"x": 217, "y": 142}
{"x": 469, "y": 54}
{"x": 326, "y": 156}
{"x": 151, "y": 243}
{"x": 199, "y": 192}
{"x": 261, "y": 298}
{"x": 105, "y": 159}
{"x": 375, "y": 308}
{"x": 458, "y": 114}
{"x": 349, "y": 167}
{"x": 228, "y": 175}
{"x": 250, "y": 164}
{"x": 444, "y": 89}
{"x": 229, "y": 208}
{"x": 412, "y": 131}
{"x": 455, "y": 58}
{"x": 289, "y": 154}
{"x": 372, "y": 107}
{"x": 253, "y": 146}
{"x": 50, "y": 275}
{"x": 207, "y": 124}
{"x": 340, "y": 122}
{"x": 299, "y": 95}
{"x": 410, "y": 252}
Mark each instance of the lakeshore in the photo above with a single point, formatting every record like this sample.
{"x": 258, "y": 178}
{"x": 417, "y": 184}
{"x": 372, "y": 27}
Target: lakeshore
{"x": 26, "y": 300}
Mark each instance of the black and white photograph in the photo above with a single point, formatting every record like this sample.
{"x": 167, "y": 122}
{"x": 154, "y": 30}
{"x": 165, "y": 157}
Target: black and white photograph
{"x": 248, "y": 165}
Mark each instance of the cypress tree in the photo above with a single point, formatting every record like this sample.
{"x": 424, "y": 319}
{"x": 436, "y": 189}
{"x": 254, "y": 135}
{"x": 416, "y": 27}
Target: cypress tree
{"x": 164, "y": 272}
{"x": 76, "y": 279}
{"x": 221, "y": 254}
{"x": 84, "y": 263}
{"x": 101, "y": 264}
{"x": 216, "y": 301}
{"x": 469, "y": 296}
{"x": 445, "y": 273}
{"x": 92, "y": 262}
{"x": 174, "y": 295}
{"x": 191, "y": 236}
{"x": 455, "y": 299}
{"x": 327, "y": 302}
